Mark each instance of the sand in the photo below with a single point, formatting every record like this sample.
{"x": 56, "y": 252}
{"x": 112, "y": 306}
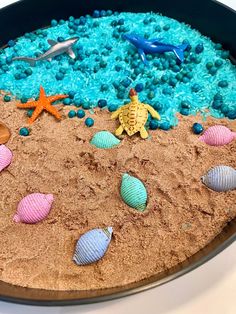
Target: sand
{"x": 182, "y": 215}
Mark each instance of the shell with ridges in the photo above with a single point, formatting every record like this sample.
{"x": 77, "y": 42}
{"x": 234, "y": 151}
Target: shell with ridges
{"x": 217, "y": 135}
{"x": 133, "y": 192}
{"x": 5, "y": 133}
{"x": 5, "y": 157}
{"x": 92, "y": 246}
{"x": 220, "y": 178}
{"x": 104, "y": 139}
{"x": 33, "y": 208}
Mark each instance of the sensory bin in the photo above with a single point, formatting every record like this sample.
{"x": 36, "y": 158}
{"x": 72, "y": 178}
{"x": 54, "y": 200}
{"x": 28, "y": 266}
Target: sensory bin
{"x": 83, "y": 207}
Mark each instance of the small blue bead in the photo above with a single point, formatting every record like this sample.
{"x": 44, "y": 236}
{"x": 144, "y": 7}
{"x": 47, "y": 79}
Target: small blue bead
{"x": 196, "y": 88}
{"x": 103, "y": 13}
{"x": 71, "y": 94}
{"x": 199, "y": 48}
{"x": 166, "y": 27}
{"x": 77, "y": 103}
{"x": 72, "y": 114}
{"x": 89, "y": 122}
{"x": 218, "y": 96}
{"x": 11, "y": 43}
{"x": 28, "y": 71}
{"x": 121, "y": 22}
{"x": 166, "y": 91}
{"x": 165, "y": 125}
{"x": 139, "y": 87}
{"x": 53, "y": 23}
{"x": 218, "y": 63}
{"x": 217, "y": 104}
{"x": 102, "y": 103}
{"x": 30, "y": 113}
{"x": 224, "y": 109}
{"x": 24, "y": 99}
{"x": 86, "y": 105}
{"x": 80, "y": 113}
{"x": 185, "y": 104}
{"x": 60, "y": 39}
{"x": 24, "y": 132}
{"x": 59, "y": 76}
{"x": 126, "y": 82}
{"x": 67, "y": 101}
{"x": 153, "y": 124}
{"x": 7, "y": 98}
{"x": 112, "y": 107}
{"x": 231, "y": 114}
{"x": 213, "y": 70}
{"x": 184, "y": 111}
{"x": 225, "y": 54}
{"x": 223, "y": 84}
{"x": 96, "y": 14}
{"x": 197, "y": 128}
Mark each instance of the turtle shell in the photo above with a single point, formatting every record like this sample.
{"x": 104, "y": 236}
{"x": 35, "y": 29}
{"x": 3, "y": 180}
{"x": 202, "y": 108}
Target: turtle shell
{"x": 133, "y": 117}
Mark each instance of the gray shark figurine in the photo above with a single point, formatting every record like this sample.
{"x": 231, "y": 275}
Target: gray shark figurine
{"x": 57, "y": 48}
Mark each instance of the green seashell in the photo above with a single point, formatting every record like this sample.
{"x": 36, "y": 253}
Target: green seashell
{"x": 133, "y": 192}
{"x": 104, "y": 139}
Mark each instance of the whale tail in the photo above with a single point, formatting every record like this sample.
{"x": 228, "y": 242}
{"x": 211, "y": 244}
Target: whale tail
{"x": 31, "y": 61}
{"x": 179, "y": 51}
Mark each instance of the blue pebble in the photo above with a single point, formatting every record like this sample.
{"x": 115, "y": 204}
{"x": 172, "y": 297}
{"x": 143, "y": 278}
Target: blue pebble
{"x": 185, "y": 104}
{"x": 24, "y": 132}
{"x": 86, "y": 105}
{"x": 213, "y": 70}
{"x": 153, "y": 124}
{"x": 30, "y": 113}
{"x": 71, "y": 94}
{"x": 24, "y": 100}
{"x": 165, "y": 125}
{"x": 224, "y": 109}
{"x": 196, "y": 88}
{"x": 59, "y": 76}
{"x": 166, "y": 91}
{"x": 102, "y": 103}
{"x": 218, "y": 96}
{"x": 199, "y": 48}
{"x": 218, "y": 63}
{"x": 184, "y": 111}
{"x": 121, "y": 22}
{"x": 53, "y": 23}
{"x": 71, "y": 114}
{"x": 77, "y": 103}
{"x": 96, "y": 14}
{"x": 139, "y": 87}
{"x": 89, "y": 122}
{"x": 232, "y": 114}
{"x": 223, "y": 84}
{"x": 67, "y": 101}
{"x": 112, "y": 107}
{"x": 197, "y": 128}
{"x": 103, "y": 13}
{"x": 11, "y": 43}
{"x": 60, "y": 39}
{"x": 217, "y": 104}
{"x": 126, "y": 82}
{"x": 80, "y": 113}
{"x": 7, "y": 98}
{"x": 28, "y": 71}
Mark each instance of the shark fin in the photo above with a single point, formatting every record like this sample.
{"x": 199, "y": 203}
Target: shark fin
{"x": 71, "y": 53}
{"x": 52, "y": 42}
{"x": 31, "y": 61}
{"x": 179, "y": 51}
{"x": 143, "y": 56}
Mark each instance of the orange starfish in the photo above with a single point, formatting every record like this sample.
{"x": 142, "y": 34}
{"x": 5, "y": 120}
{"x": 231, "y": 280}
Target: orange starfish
{"x": 44, "y": 103}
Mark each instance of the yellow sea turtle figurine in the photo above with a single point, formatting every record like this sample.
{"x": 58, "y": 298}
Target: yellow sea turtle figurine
{"x": 133, "y": 116}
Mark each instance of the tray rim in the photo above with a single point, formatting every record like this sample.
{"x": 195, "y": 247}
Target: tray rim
{"x": 130, "y": 291}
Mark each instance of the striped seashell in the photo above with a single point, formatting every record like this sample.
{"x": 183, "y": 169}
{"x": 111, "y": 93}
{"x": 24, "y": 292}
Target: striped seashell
{"x": 104, "y": 139}
{"x": 133, "y": 192}
{"x": 5, "y": 157}
{"x": 220, "y": 178}
{"x": 217, "y": 135}
{"x": 33, "y": 208}
{"x": 92, "y": 246}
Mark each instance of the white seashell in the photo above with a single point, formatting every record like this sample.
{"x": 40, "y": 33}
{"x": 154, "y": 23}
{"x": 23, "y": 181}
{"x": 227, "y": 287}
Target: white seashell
{"x": 220, "y": 178}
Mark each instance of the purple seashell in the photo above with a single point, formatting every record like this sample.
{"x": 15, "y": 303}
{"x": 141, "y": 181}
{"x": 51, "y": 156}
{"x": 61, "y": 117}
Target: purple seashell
{"x": 5, "y": 157}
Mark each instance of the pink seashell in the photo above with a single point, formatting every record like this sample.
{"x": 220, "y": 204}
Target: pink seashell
{"x": 33, "y": 208}
{"x": 217, "y": 135}
{"x": 5, "y": 157}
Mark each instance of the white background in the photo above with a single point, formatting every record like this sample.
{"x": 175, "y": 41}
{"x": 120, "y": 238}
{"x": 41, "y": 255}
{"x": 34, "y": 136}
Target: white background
{"x": 210, "y": 289}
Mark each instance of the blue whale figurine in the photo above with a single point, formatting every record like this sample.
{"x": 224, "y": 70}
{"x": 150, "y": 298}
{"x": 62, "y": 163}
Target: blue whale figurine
{"x": 151, "y": 46}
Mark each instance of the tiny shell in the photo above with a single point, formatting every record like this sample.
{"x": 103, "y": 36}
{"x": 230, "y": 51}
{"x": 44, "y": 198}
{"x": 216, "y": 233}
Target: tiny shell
{"x": 220, "y": 178}
{"x": 92, "y": 246}
{"x": 5, "y": 157}
{"x": 104, "y": 139}
{"x": 133, "y": 192}
{"x": 33, "y": 208}
{"x": 217, "y": 135}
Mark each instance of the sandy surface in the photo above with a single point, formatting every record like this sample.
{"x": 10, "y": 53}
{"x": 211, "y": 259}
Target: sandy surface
{"x": 182, "y": 215}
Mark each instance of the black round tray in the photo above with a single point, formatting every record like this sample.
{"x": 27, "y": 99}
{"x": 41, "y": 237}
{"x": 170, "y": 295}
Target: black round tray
{"x": 211, "y": 19}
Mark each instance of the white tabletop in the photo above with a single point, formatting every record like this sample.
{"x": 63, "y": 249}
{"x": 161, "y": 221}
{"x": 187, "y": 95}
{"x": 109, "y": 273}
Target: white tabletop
{"x": 210, "y": 289}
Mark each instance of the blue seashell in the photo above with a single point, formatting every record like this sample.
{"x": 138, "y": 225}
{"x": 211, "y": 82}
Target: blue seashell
{"x": 92, "y": 246}
{"x": 104, "y": 139}
{"x": 133, "y": 192}
{"x": 220, "y": 179}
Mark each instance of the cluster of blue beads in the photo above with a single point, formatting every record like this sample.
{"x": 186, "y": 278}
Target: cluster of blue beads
{"x": 165, "y": 84}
